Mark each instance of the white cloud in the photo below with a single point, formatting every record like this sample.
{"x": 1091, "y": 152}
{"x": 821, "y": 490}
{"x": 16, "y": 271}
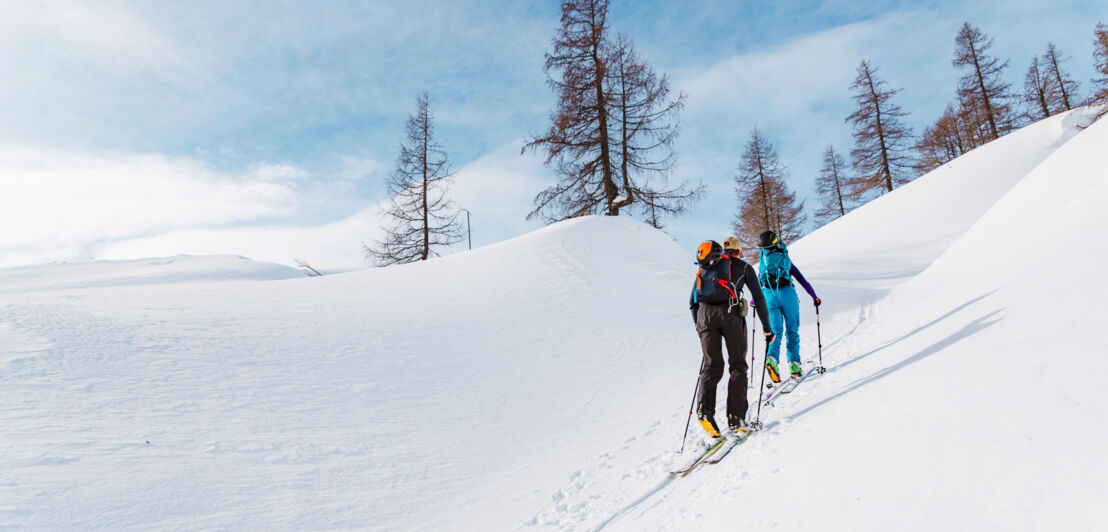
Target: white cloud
{"x": 103, "y": 36}
{"x": 332, "y": 246}
{"x": 498, "y": 189}
{"x": 67, "y": 206}
{"x": 278, "y": 172}
{"x": 57, "y": 205}
{"x": 357, "y": 168}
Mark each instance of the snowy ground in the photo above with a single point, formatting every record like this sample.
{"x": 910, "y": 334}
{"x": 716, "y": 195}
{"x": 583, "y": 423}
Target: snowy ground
{"x": 543, "y": 383}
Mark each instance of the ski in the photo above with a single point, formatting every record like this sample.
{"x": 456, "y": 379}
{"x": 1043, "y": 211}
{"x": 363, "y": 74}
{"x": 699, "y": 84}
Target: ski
{"x": 787, "y": 386}
{"x": 734, "y": 442}
{"x": 699, "y": 459}
{"x": 811, "y": 368}
{"x": 772, "y": 394}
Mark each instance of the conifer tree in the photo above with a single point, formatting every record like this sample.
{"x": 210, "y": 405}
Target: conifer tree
{"x": 766, "y": 203}
{"x": 1063, "y": 88}
{"x": 1100, "y": 59}
{"x": 941, "y": 142}
{"x": 644, "y": 129}
{"x": 577, "y": 143}
{"x": 982, "y": 88}
{"x": 960, "y": 129}
{"x": 611, "y": 135}
{"x": 1035, "y": 92}
{"x": 881, "y": 154}
{"x": 830, "y": 188}
{"x": 422, "y": 218}
{"x": 933, "y": 147}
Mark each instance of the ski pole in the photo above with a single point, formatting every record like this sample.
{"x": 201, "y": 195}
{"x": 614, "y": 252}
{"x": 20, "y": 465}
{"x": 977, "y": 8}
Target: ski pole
{"x": 753, "y": 321}
{"x": 758, "y": 419}
{"x": 819, "y": 339}
{"x": 691, "y": 405}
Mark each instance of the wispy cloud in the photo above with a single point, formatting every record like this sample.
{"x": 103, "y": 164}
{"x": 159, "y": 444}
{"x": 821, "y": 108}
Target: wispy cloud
{"x": 58, "y": 205}
{"x": 127, "y": 207}
{"x": 99, "y": 36}
{"x": 330, "y": 246}
{"x": 498, "y": 189}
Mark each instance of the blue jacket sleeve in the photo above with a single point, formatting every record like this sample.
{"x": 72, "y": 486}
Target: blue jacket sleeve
{"x": 803, "y": 282}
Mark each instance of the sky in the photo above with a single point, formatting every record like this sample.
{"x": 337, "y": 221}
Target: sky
{"x": 266, "y": 129}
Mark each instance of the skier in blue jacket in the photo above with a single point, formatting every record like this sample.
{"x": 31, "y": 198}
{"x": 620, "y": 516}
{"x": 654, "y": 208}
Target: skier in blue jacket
{"x": 776, "y": 272}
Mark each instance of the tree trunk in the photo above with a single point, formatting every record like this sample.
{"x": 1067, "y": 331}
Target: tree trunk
{"x": 426, "y": 214}
{"x": 838, "y": 187}
{"x": 880, "y": 134}
{"x": 984, "y": 93}
{"x": 1058, "y": 76}
{"x": 611, "y": 192}
{"x": 625, "y": 139}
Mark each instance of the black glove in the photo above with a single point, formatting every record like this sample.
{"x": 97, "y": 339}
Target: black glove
{"x": 769, "y": 337}
{"x": 818, "y": 301}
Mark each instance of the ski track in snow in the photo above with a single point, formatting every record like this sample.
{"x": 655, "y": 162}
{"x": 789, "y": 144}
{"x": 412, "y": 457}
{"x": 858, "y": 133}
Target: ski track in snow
{"x": 590, "y": 502}
{"x": 590, "y": 495}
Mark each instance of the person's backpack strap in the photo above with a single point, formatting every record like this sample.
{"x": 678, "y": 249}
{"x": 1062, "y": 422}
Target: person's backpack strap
{"x": 727, "y": 284}
{"x": 699, "y": 283}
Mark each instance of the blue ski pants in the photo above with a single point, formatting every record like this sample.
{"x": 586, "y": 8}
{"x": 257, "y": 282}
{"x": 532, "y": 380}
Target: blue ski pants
{"x": 784, "y": 306}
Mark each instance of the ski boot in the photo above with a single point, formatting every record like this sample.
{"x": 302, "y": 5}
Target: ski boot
{"x": 709, "y": 425}
{"x": 794, "y": 369}
{"x": 736, "y": 425}
{"x": 771, "y": 367}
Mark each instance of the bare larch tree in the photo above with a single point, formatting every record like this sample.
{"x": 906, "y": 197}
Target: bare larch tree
{"x": 882, "y": 143}
{"x": 645, "y": 129}
{"x": 950, "y": 136}
{"x": 1100, "y": 58}
{"x": 577, "y": 143}
{"x": 765, "y": 201}
{"x": 1036, "y": 89}
{"x": 612, "y": 131}
{"x": 1063, "y": 95}
{"x": 830, "y": 188}
{"x": 982, "y": 87}
{"x": 421, "y": 217}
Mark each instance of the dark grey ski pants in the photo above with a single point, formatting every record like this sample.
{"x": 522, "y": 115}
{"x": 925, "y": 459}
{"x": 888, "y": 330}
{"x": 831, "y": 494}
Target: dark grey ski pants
{"x": 715, "y": 326}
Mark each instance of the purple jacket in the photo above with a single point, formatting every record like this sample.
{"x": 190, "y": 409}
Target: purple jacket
{"x": 803, "y": 282}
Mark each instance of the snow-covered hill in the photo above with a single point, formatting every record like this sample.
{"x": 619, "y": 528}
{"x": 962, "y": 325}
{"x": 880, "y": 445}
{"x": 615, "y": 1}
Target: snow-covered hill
{"x": 544, "y": 382}
{"x": 179, "y": 269}
{"x": 966, "y": 399}
{"x": 960, "y": 393}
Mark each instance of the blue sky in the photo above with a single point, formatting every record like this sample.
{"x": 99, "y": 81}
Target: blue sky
{"x": 271, "y": 125}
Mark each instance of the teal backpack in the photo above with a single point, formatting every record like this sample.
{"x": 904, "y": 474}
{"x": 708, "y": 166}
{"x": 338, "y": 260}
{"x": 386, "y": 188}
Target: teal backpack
{"x": 774, "y": 267}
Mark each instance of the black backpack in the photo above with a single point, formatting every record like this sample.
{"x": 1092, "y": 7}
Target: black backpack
{"x": 713, "y": 284}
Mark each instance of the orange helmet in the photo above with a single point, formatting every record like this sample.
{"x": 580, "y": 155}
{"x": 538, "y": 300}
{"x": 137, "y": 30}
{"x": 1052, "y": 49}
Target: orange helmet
{"x": 708, "y": 253}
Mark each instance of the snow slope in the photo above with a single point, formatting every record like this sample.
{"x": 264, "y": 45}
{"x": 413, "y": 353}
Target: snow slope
{"x": 543, "y": 382}
{"x": 966, "y": 398}
{"x": 900, "y": 234}
{"x": 179, "y": 269}
{"x": 417, "y": 396}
